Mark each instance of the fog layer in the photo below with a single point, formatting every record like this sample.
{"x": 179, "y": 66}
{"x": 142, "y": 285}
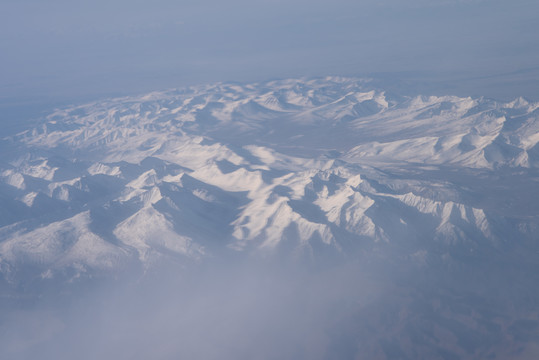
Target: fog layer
{"x": 364, "y": 307}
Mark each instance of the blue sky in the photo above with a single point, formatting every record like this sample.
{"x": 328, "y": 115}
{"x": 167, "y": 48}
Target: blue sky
{"x": 59, "y": 50}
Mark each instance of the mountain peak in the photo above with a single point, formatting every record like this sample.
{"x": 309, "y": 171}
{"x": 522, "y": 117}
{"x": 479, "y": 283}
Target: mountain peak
{"x": 190, "y": 172}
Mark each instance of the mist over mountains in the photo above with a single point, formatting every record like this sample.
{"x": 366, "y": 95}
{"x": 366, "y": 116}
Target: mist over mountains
{"x": 311, "y": 218}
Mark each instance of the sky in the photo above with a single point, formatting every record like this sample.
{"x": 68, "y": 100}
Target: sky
{"x": 61, "y": 51}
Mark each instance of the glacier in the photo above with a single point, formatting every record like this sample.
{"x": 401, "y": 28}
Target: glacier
{"x": 435, "y": 195}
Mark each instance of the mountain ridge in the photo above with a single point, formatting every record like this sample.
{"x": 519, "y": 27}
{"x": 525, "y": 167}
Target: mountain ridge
{"x": 182, "y": 173}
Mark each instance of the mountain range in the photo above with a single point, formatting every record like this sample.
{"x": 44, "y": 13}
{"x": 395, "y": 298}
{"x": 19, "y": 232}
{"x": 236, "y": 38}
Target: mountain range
{"x": 440, "y": 190}
{"x": 310, "y": 166}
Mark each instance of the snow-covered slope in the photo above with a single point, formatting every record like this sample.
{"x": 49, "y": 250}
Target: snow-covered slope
{"x": 300, "y": 167}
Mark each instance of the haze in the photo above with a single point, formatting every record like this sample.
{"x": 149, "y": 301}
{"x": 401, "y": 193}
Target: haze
{"x": 60, "y": 51}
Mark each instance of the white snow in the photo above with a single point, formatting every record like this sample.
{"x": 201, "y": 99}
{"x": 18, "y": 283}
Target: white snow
{"x": 295, "y": 161}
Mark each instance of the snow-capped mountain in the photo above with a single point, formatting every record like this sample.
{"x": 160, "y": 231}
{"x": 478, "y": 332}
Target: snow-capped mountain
{"x": 295, "y": 167}
{"x": 319, "y": 219}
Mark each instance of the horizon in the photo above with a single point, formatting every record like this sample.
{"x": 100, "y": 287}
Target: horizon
{"x": 62, "y": 52}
